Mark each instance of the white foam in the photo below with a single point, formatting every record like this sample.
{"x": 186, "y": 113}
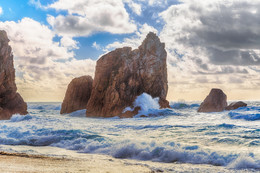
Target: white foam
{"x": 146, "y": 103}
{"x": 245, "y": 162}
{"x": 18, "y": 117}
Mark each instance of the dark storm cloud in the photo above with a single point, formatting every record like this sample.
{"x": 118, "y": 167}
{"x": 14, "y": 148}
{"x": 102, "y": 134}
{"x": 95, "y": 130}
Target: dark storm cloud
{"x": 228, "y": 32}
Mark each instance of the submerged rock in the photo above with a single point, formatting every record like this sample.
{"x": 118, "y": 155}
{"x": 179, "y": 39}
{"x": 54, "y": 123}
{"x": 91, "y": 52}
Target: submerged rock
{"x": 124, "y": 74}
{"x": 216, "y": 101}
{"x": 77, "y": 94}
{"x": 10, "y": 101}
{"x": 236, "y": 105}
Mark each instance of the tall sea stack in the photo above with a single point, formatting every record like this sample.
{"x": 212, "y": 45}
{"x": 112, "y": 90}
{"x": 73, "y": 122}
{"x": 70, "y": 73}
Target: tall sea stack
{"x": 10, "y": 101}
{"x": 124, "y": 74}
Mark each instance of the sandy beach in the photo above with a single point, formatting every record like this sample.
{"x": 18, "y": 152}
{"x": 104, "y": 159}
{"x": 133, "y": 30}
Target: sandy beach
{"x": 13, "y": 162}
{"x": 95, "y": 163}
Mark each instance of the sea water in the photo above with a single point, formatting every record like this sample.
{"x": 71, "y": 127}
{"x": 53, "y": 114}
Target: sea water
{"x": 229, "y": 139}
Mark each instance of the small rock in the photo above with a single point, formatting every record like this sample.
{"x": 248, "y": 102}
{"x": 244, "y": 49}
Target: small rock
{"x": 216, "y": 101}
{"x": 236, "y": 105}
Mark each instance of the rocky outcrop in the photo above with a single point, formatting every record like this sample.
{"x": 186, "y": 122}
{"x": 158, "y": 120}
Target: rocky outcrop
{"x": 77, "y": 94}
{"x": 10, "y": 101}
{"x": 236, "y": 105}
{"x": 124, "y": 74}
{"x": 216, "y": 101}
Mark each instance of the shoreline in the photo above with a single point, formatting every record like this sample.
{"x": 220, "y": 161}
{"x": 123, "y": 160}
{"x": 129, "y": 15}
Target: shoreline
{"x": 95, "y": 163}
{"x": 22, "y": 162}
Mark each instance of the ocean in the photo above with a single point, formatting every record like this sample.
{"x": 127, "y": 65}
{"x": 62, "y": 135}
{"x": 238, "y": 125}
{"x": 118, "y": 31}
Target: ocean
{"x": 229, "y": 140}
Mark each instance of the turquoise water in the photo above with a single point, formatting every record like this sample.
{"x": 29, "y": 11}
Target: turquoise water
{"x": 229, "y": 139}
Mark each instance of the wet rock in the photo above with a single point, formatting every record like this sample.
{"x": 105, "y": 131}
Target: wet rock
{"x": 124, "y": 74}
{"x": 77, "y": 94}
{"x": 236, "y": 105}
{"x": 10, "y": 101}
{"x": 216, "y": 101}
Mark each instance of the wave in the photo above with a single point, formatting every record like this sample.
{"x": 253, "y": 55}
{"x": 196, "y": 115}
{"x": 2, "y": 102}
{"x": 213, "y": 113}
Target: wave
{"x": 41, "y": 106}
{"x": 245, "y": 116}
{"x": 86, "y": 142}
{"x": 168, "y": 153}
{"x": 181, "y": 105}
{"x": 149, "y": 107}
{"x": 18, "y": 118}
{"x": 79, "y": 113}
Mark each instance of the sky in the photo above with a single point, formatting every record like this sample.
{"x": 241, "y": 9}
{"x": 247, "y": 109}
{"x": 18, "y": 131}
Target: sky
{"x": 210, "y": 44}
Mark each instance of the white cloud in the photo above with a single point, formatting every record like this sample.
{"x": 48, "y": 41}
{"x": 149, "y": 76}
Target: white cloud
{"x": 96, "y": 46}
{"x": 43, "y": 67}
{"x": 69, "y": 42}
{"x": 134, "y": 41}
{"x": 135, "y": 7}
{"x": 87, "y": 17}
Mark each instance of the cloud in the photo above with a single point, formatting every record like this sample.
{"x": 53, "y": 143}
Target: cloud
{"x": 43, "y": 67}
{"x": 96, "y": 46}
{"x": 136, "y": 7}
{"x": 87, "y": 17}
{"x": 135, "y": 40}
{"x": 1, "y": 10}
{"x": 220, "y": 32}
{"x": 212, "y": 44}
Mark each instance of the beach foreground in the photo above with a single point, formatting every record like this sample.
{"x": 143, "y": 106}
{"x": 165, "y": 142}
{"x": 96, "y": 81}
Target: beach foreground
{"x": 21, "y": 162}
{"x": 15, "y": 162}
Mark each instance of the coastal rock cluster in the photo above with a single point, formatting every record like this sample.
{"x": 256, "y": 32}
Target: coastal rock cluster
{"x": 11, "y": 102}
{"x": 216, "y": 101}
{"x": 77, "y": 94}
{"x": 124, "y": 74}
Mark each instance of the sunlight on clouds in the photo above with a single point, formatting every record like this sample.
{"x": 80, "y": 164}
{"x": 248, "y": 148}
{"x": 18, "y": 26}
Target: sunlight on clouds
{"x": 43, "y": 67}
{"x": 134, "y": 41}
{"x": 212, "y": 53}
{"x": 88, "y": 17}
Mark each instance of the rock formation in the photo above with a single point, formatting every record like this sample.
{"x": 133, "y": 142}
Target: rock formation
{"x": 236, "y": 105}
{"x": 77, "y": 94}
{"x": 124, "y": 74}
{"x": 216, "y": 101}
{"x": 10, "y": 101}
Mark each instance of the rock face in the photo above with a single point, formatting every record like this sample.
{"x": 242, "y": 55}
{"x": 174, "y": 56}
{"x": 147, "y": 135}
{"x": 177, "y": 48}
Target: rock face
{"x": 10, "y": 101}
{"x": 77, "y": 94}
{"x": 216, "y": 101}
{"x": 236, "y": 105}
{"x": 124, "y": 74}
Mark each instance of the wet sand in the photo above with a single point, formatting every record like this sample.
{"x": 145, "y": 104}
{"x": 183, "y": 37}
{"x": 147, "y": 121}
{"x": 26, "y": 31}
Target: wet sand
{"x": 13, "y": 162}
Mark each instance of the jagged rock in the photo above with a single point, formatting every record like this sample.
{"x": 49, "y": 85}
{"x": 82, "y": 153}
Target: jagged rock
{"x": 10, "y": 101}
{"x": 216, "y": 101}
{"x": 124, "y": 74}
{"x": 236, "y": 105}
{"x": 77, "y": 94}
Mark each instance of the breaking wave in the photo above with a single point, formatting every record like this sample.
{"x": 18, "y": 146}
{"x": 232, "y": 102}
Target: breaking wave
{"x": 183, "y": 105}
{"x": 168, "y": 138}
{"x": 149, "y": 106}
{"x": 250, "y": 113}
